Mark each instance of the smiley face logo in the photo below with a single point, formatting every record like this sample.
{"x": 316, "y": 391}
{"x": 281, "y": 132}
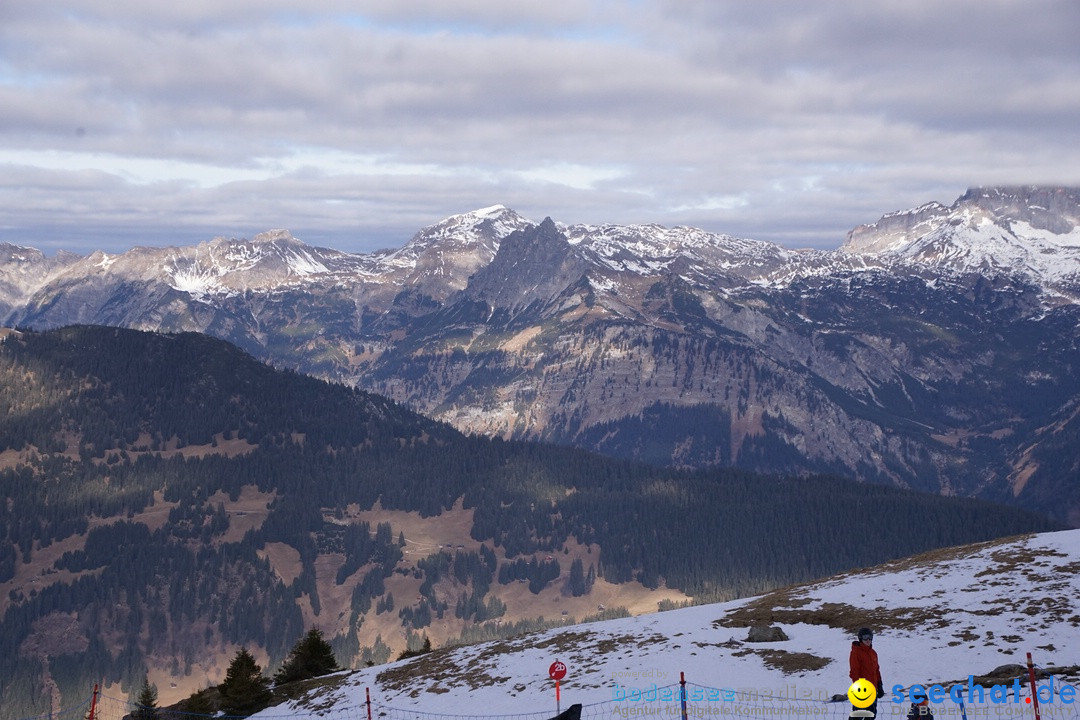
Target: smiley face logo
{"x": 862, "y": 693}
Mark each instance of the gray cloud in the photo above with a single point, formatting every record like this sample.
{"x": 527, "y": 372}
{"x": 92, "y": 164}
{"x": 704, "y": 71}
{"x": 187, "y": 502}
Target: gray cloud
{"x": 156, "y": 123}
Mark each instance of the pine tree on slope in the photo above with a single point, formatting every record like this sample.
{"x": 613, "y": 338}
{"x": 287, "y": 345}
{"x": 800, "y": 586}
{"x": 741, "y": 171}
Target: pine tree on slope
{"x": 147, "y": 702}
{"x": 311, "y": 657}
{"x": 245, "y": 690}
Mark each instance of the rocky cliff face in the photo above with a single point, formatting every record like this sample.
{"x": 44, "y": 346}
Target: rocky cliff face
{"x": 25, "y": 270}
{"x": 937, "y": 349}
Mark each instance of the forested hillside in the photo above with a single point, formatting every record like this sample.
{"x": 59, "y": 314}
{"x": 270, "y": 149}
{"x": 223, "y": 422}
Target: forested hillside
{"x": 168, "y": 499}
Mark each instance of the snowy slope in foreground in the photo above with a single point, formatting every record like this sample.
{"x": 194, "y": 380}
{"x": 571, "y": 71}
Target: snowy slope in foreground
{"x": 939, "y": 617}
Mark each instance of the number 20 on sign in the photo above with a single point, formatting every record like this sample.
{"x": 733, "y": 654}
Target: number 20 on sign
{"x": 557, "y": 671}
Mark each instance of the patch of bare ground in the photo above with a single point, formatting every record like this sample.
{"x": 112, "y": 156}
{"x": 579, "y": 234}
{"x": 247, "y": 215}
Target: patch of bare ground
{"x": 790, "y": 663}
{"x": 218, "y": 446}
{"x": 41, "y": 571}
{"x": 439, "y": 670}
{"x": 387, "y": 625}
{"x": 335, "y": 600}
{"x": 11, "y": 459}
{"x": 314, "y": 694}
{"x": 552, "y": 602}
{"x": 770, "y": 610}
{"x": 247, "y": 512}
{"x": 156, "y": 514}
{"x": 284, "y": 560}
{"x": 1020, "y": 558}
{"x": 423, "y": 536}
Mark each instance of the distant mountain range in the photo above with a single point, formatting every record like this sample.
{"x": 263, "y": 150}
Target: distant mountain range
{"x": 937, "y": 349}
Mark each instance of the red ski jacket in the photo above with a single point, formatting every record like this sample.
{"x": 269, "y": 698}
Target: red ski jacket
{"x": 864, "y": 664}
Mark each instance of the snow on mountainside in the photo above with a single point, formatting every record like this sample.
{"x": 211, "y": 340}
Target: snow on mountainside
{"x": 1033, "y": 233}
{"x": 268, "y": 260}
{"x": 652, "y": 249}
{"x": 938, "y": 619}
{"x": 440, "y": 259}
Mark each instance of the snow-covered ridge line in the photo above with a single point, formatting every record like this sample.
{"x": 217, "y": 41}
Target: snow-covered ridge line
{"x": 1030, "y": 233}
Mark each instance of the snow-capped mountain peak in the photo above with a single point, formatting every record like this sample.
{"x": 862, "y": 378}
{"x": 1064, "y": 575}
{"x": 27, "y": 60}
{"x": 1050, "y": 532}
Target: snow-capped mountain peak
{"x": 1030, "y": 232}
{"x": 274, "y": 235}
{"x": 440, "y": 258}
{"x": 482, "y": 228}
{"x": 488, "y": 212}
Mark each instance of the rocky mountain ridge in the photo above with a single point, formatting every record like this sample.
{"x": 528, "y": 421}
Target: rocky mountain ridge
{"x": 936, "y": 349}
{"x": 1013, "y": 228}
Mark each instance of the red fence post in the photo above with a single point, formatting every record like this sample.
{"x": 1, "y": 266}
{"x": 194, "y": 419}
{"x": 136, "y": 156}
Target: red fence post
{"x": 1034, "y": 690}
{"x": 367, "y": 693}
{"x": 682, "y": 693}
{"x": 93, "y": 702}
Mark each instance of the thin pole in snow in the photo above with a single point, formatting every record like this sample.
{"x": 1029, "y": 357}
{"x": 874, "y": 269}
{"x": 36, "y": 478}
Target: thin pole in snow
{"x": 682, "y": 693}
{"x": 1034, "y": 690}
{"x": 93, "y": 703}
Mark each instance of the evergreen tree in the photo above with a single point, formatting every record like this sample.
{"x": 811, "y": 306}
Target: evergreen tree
{"x": 410, "y": 652}
{"x": 245, "y": 690}
{"x": 147, "y": 702}
{"x": 576, "y": 584}
{"x": 311, "y": 657}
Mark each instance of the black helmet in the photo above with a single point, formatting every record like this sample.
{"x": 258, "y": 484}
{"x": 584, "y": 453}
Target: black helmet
{"x": 866, "y": 633}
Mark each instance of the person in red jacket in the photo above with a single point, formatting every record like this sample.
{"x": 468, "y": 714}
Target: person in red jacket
{"x": 864, "y": 664}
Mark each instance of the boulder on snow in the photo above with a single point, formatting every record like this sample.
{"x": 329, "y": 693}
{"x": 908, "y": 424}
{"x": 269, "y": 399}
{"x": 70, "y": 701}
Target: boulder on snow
{"x": 761, "y": 633}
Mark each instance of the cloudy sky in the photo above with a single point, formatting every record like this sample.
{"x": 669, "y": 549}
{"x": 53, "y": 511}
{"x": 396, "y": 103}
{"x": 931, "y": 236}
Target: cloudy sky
{"x": 355, "y": 123}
